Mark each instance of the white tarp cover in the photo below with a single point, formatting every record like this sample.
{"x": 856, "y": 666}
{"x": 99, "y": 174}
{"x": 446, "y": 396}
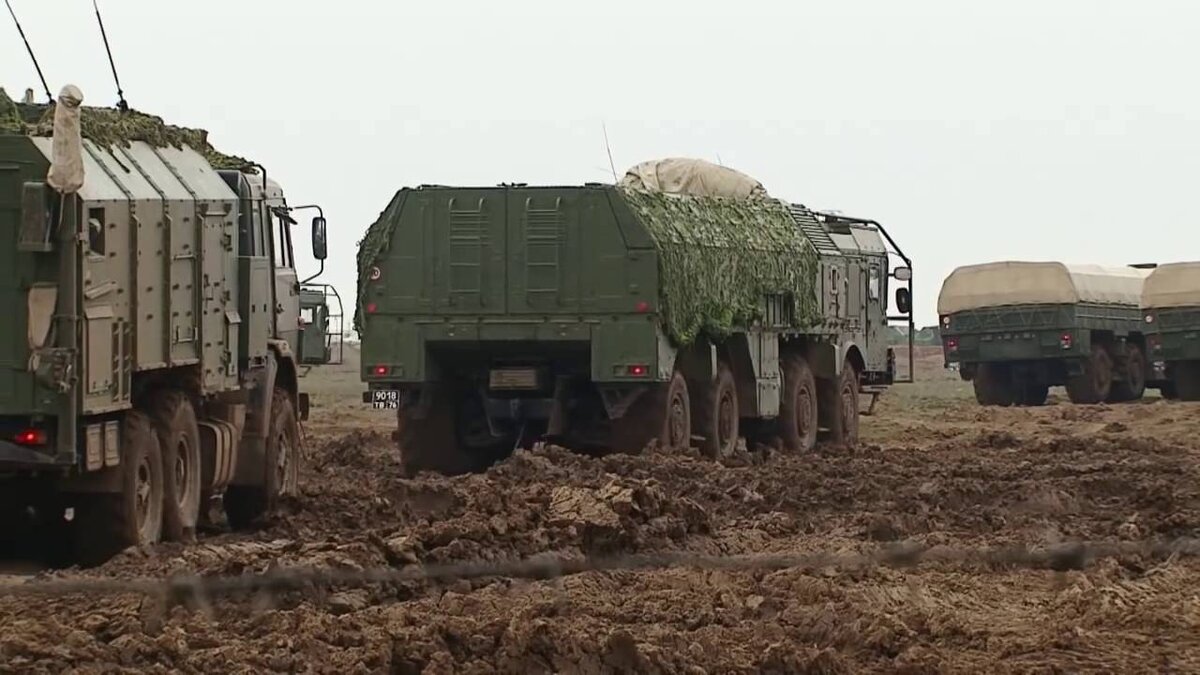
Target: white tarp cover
{"x": 696, "y": 177}
{"x": 1002, "y": 284}
{"x": 1173, "y": 285}
{"x": 66, "y": 155}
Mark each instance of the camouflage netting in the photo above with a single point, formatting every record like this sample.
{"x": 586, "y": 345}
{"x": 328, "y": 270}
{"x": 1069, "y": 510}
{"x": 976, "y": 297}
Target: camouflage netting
{"x": 718, "y": 258}
{"x": 369, "y": 248}
{"x": 111, "y": 127}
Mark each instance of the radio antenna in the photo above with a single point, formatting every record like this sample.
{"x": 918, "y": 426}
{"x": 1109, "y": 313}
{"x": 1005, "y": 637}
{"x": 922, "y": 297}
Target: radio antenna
{"x": 608, "y": 148}
{"x": 124, "y": 107}
{"x": 46, "y": 87}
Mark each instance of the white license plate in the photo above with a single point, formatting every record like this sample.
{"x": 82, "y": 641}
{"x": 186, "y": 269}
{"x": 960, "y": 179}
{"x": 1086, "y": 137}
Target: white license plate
{"x": 513, "y": 378}
{"x": 385, "y": 399}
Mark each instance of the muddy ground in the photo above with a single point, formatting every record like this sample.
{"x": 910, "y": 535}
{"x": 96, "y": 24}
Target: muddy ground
{"x": 934, "y": 469}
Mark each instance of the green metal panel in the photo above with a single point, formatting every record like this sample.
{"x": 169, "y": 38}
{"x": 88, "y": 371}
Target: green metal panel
{"x": 1177, "y": 334}
{"x": 20, "y": 394}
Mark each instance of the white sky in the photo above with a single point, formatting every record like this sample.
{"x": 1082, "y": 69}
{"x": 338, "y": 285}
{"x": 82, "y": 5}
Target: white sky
{"x": 1023, "y": 129}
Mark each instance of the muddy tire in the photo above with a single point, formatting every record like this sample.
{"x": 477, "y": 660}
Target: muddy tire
{"x": 1187, "y": 380}
{"x": 105, "y": 524}
{"x": 798, "y": 411}
{"x": 427, "y": 437}
{"x": 1095, "y": 384}
{"x": 1133, "y": 387}
{"x": 841, "y": 403}
{"x": 179, "y": 435}
{"x": 1034, "y": 395}
{"x": 994, "y": 386}
{"x": 662, "y": 415}
{"x": 716, "y": 415}
{"x": 245, "y": 505}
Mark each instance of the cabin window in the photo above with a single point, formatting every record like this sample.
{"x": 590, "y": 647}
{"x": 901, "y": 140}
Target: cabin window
{"x": 873, "y": 283}
{"x": 95, "y": 232}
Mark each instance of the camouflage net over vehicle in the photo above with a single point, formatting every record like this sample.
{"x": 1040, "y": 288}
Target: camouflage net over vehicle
{"x": 110, "y": 127}
{"x": 719, "y": 258}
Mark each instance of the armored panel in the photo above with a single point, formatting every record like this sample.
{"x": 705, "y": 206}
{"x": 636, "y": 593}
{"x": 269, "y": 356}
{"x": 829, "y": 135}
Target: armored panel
{"x": 203, "y": 272}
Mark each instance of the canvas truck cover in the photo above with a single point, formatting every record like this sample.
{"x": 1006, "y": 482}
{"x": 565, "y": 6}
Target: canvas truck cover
{"x": 1003, "y": 284}
{"x": 1173, "y": 285}
{"x": 691, "y": 177}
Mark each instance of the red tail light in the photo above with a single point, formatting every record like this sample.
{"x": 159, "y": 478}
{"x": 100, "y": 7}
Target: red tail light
{"x": 31, "y": 437}
{"x": 372, "y": 307}
{"x": 380, "y": 371}
{"x": 643, "y": 307}
{"x": 952, "y": 345}
{"x": 638, "y": 371}
{"x": 1066, "y": 341}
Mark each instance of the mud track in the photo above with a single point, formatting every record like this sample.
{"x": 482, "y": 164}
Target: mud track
{"x": 935, "y": 470}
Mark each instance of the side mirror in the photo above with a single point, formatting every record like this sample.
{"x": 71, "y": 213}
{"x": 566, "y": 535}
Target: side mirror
{"x": 902, "y": 273}
{"x": 320, "y": 244}
{"x": 903, "y": 300}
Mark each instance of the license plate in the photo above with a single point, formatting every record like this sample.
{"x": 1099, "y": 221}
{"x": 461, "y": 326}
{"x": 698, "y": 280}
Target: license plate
{"x": 385, "y": 399}
{"x": 513, "y": 378}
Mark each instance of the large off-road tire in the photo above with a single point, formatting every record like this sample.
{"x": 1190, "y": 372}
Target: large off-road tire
{"x": 798, "y": 412}
{"x": 107, "y": 523}
{"x": 246, "y": 504}
{"x": 662, "y": 414}
{"x": 1034, "y": 394}
{"x": 429, "y": 435}
{"x": 715, "y": 415}
{"x": 179, "y": 435}
{"x": 1095, "y": 383}
{"x": 1187, "y": 380}
{"x": 1133, "y": 387}
{"x": 840, "y": 401}
{"x": 994, "y": 386}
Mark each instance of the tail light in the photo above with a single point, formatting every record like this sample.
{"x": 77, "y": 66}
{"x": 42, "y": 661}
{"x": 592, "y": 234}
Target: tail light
{"x": 951, "y": 345}
{"x": 372, "y": 308}
{"x": 1066, "y": 341}
{"x": 638, "y": 370}
{"x": 1155, "y": 343}
{"x": 380, "y": 371}
{"x": 30, "y": 437}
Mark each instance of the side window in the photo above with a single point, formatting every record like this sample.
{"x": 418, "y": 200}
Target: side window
{"x": 306, "y": 315}
{"x": 283, "y": 241}
{"x": 873, "y": 284}
{"x": 95, "y": 233}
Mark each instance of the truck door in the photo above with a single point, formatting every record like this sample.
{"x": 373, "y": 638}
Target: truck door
{"x": 287, "y": 284}
{"x": 875, "y": 335}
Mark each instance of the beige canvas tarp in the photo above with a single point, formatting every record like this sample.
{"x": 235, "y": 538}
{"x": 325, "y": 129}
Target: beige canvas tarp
{"x": 1173, "y": 285}
{"x": 691, "y": 177}
{"x": 1002, "y": 284}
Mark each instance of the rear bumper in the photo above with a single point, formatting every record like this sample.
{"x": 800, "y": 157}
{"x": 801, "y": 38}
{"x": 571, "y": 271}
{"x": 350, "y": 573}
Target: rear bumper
{"x": 611, "y": 349}
{"x": 15, "y": 458}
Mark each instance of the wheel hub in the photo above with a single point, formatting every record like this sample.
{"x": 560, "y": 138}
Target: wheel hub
{"x": 142, "y": 492}
{"x": 677, "y": 432}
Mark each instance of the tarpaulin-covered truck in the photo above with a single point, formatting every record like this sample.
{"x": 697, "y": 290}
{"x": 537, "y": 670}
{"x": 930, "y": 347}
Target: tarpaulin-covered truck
{"x": 1171, "y": 304}
{"x": 1015, "y": 329}
{"x": 683, "y": 306}
{"x": 148, "y": 366}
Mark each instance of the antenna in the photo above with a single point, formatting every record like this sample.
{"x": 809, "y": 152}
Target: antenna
{"x": 49, "y": 96}
{"x": 608, "y": 148}
{"x": 124, "y": 107}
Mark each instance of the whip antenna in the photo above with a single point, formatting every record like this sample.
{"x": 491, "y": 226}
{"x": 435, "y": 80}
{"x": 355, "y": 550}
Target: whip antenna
{"x": 608, "y": 148}
{"x": 49, "y": 96}
{"x": 120, "y": 94}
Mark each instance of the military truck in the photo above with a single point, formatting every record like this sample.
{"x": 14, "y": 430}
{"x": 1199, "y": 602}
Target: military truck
{"x": 1014, "y": 329}
{"x": 149, "y": 369}
{"x": 1171, "y": 303}
{"x": 681, "y": 306}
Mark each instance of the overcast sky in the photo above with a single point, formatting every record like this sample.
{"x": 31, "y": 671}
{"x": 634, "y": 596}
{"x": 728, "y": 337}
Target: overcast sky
{"x": 974, "y": 131}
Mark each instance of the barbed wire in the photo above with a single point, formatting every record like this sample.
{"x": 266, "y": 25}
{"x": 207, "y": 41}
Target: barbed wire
{"x": 198, "y": 590}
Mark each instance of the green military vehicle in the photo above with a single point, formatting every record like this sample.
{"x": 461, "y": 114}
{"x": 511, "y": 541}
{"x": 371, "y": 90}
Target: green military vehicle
{"x": 1171, "y": 303}
{"x": 1015, "y": 329}
{"x": 682, "y": 305}
{"x": 150, "y": 365}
